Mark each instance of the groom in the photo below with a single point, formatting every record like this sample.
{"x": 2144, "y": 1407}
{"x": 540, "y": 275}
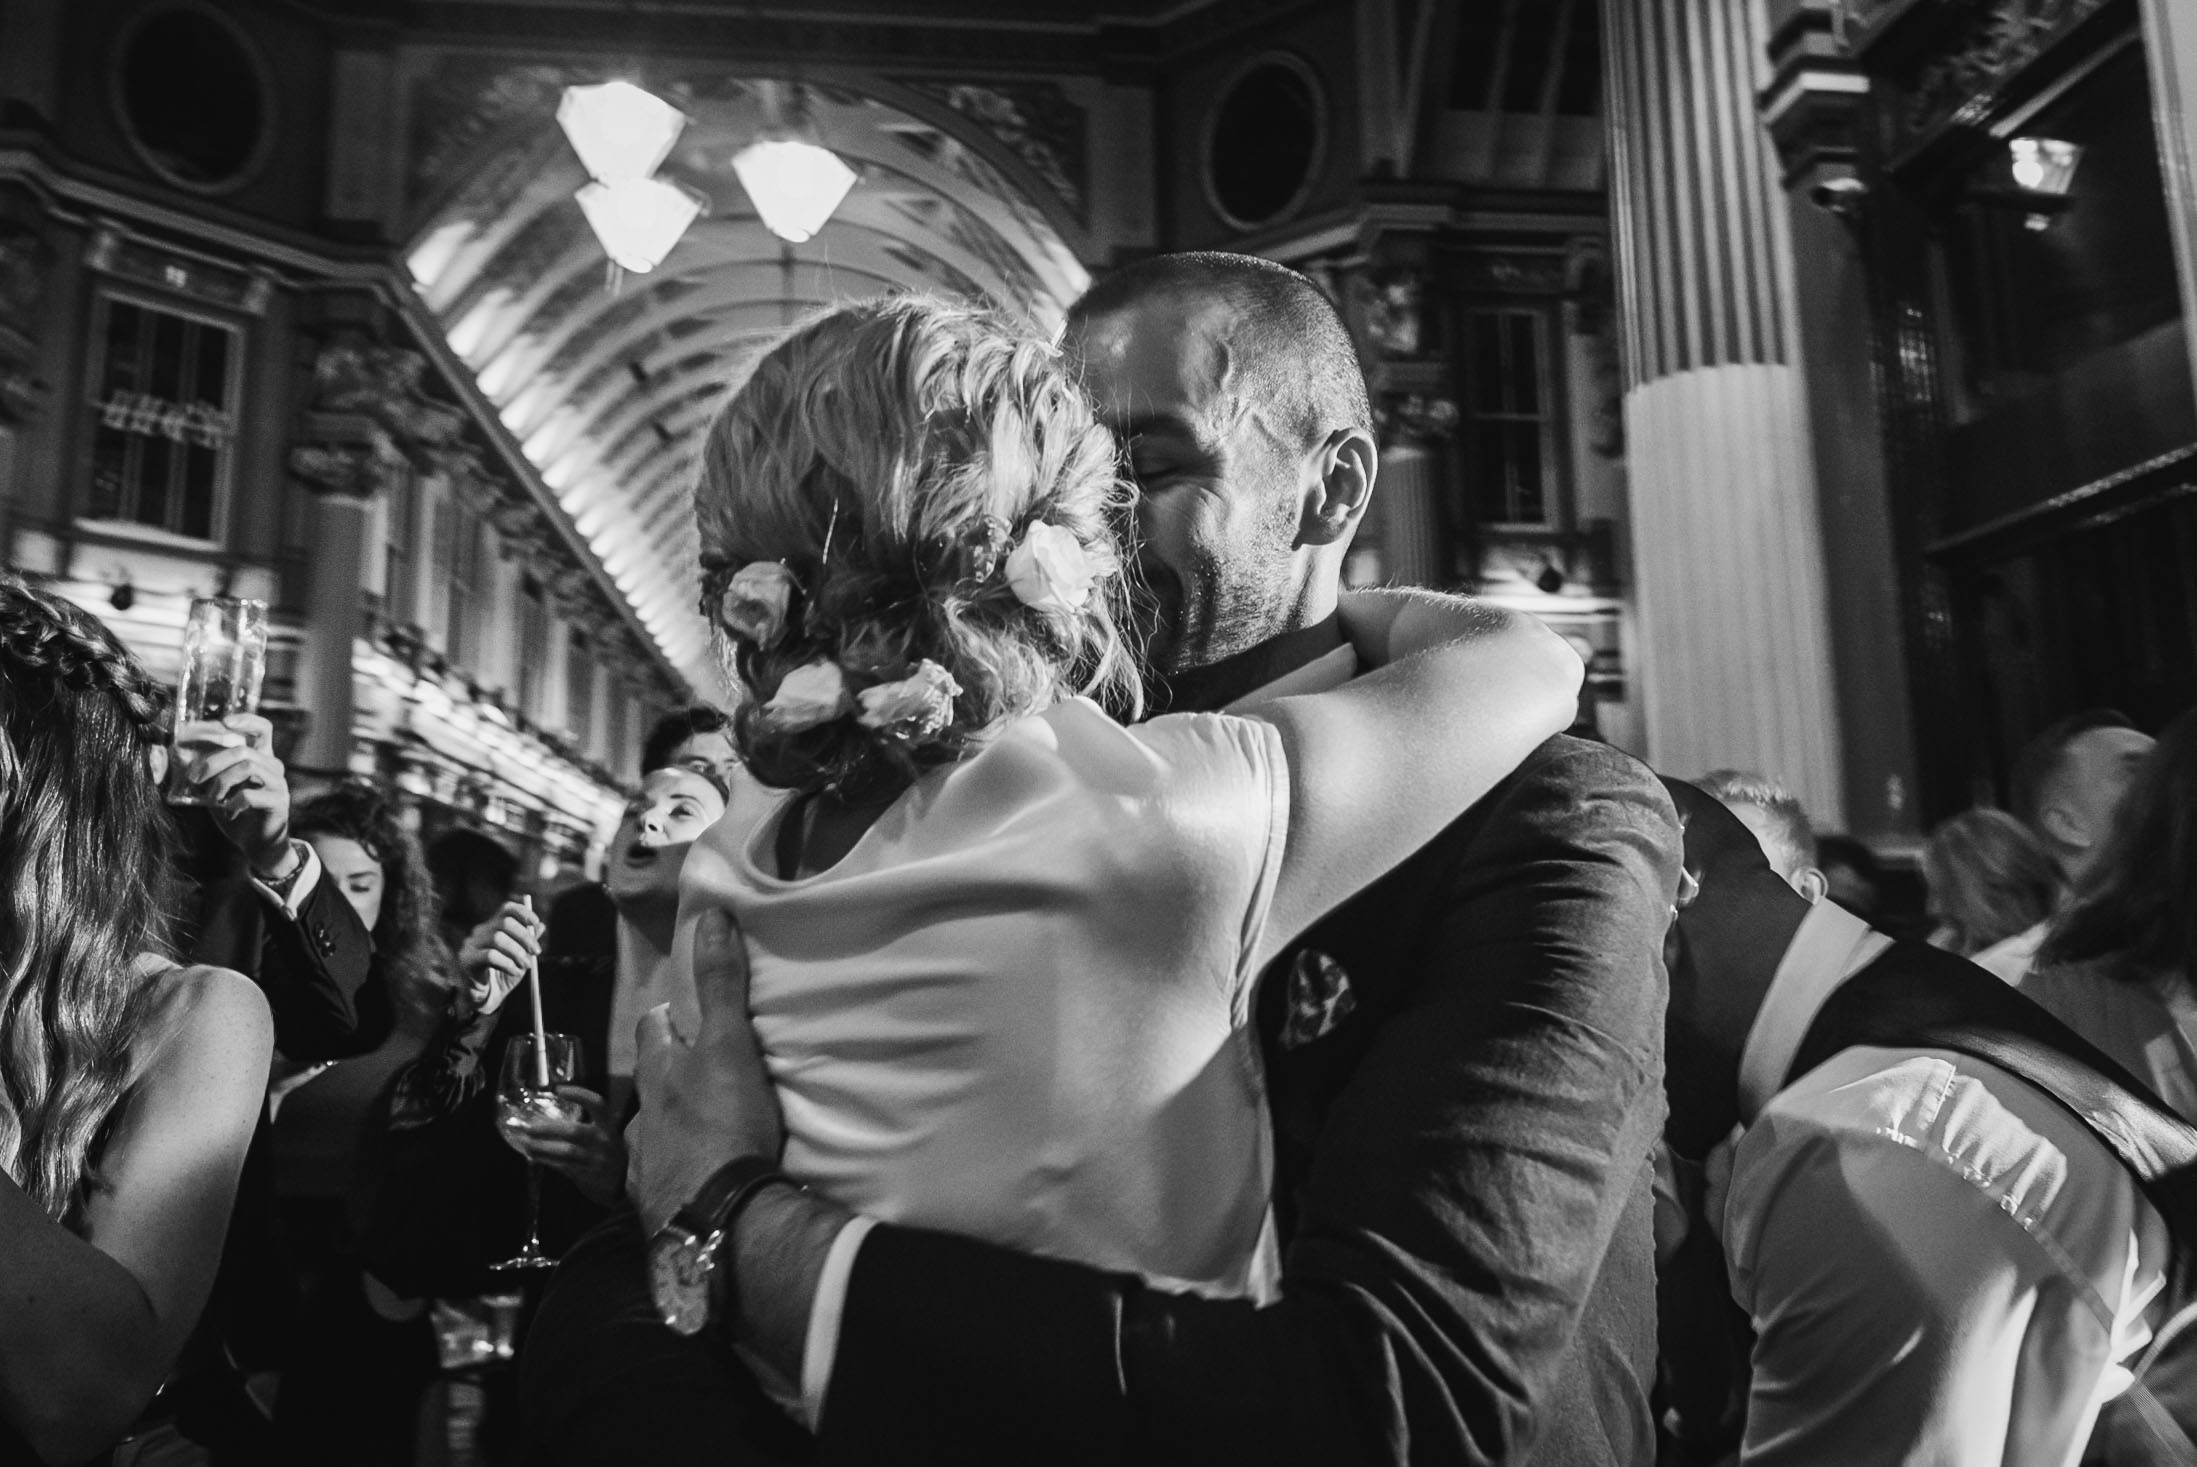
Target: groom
{"x": 1464, "y": 1066}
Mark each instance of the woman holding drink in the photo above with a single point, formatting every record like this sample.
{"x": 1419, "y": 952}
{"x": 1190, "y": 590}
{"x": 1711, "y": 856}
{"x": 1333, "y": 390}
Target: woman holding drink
{"x": 447, "y": 1203}
{"x": 129, "y": 1086}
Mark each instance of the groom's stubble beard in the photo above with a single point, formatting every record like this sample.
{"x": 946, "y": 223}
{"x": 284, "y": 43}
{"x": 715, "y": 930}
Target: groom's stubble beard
{"x": 1230, "y": 598}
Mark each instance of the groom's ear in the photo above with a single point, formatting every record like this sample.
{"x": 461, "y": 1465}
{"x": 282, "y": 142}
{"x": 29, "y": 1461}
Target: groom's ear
{"x": 1340, "y": 474}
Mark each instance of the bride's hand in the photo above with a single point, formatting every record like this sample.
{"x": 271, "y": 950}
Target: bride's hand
{"x": 705, "y": 1102}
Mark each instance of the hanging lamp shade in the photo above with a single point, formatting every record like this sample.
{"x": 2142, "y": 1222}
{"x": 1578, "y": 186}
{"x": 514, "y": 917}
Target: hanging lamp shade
{"x": 794, "y": 185}
{"x": 639, "y": 219}
{"x": 619, "y": 130}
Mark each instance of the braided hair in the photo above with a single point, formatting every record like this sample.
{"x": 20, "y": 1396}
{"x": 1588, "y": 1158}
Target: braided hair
{"x": 86, "y": 888}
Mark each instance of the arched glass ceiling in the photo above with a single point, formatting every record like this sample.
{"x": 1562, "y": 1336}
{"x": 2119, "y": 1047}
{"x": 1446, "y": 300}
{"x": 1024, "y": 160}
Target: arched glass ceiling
{"x": 607, "y": 385}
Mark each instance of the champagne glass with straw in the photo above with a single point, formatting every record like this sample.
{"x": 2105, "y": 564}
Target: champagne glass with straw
{"x": 534, "y": 1065}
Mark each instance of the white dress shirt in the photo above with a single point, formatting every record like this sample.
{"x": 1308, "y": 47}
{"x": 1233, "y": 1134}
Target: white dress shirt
{"x": 1942, "y": 1264}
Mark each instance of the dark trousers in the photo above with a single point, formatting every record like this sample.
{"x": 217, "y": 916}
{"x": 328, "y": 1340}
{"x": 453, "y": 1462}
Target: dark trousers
{"x": 601, "y": 1380}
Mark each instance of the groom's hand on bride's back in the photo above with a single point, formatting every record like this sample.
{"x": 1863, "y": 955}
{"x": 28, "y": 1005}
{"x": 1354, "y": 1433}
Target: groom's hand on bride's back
{"x": 704, "y": 1101}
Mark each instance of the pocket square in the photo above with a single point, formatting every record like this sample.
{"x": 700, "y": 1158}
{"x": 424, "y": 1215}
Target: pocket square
{"x": 1319, "y": 998}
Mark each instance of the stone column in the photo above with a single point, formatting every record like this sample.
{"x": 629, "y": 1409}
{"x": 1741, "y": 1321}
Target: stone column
{"x": 1734, "y": 639}
{"x": 2170, "y": 45}
{"x": 344, "y": 478}
{"x": 1414, "y": 545}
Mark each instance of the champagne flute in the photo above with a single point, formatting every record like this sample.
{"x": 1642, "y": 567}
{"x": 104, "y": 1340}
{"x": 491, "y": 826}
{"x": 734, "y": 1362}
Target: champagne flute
{"x": 224, "y": 661}
{"x": 521, "y": 1099}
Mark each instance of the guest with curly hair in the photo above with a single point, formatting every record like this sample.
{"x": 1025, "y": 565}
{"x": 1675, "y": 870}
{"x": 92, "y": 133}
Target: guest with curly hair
{"x": 129, "y": 1086}
{"x": 375, "y": 863}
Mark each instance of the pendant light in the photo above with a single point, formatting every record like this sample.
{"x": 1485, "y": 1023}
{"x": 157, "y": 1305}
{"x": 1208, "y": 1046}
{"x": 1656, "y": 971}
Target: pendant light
{"x": 620, "y": 131}
{"x": 638, "y": 220}
{"x": 794, "y": 181}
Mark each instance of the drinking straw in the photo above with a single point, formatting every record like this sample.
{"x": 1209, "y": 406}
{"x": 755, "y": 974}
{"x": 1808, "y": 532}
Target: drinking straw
{"x": 534, "y": 990}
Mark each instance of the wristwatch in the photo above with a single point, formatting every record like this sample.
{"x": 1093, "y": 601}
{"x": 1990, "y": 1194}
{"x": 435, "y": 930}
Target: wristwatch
{"x": 683, "y": 1255}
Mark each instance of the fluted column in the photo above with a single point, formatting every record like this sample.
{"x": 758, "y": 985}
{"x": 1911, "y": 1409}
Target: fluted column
{"x": 1414, "y": 543}
{"x": 2170, "y": 46}
{"x": 1733, "y": 616}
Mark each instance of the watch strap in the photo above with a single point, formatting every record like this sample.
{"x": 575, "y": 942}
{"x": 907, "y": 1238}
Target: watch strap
{"x": 712, "y": 1214}
{"x": 713, "y": 1208}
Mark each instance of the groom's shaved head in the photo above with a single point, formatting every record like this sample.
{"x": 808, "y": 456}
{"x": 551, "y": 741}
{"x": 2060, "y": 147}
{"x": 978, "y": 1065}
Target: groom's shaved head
{"x": 1235, "y": 394}
{"x": 1289, "y": 343}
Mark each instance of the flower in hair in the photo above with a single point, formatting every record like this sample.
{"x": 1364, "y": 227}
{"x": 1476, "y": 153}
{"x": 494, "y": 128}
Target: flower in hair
{"x": 1049, "y": 570}
{"x": 914, "y": 707}
{"x": 756, "y": 602}
{"x": 807, "y": 696}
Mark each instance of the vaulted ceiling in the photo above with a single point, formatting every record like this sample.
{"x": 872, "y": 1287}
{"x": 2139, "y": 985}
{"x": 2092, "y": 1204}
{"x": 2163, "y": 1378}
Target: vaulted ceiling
{"x": 606, "y": 382}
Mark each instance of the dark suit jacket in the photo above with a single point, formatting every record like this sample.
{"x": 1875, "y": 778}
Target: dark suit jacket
{"x": 1469, "y": 1275}
{"x": 314, "y": 970}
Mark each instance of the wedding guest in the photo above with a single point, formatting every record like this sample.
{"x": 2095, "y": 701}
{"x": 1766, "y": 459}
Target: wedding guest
{"x": 354, "y": 1367}
{"x": 1469, "y": 1046}
{"x": 1779, "y": 823}
{"x": 285, "y": 923}
{"x": 2119, "y": 964}
{"x": 1988, "y": 879}
{"x": 583, "y": 922}
{"x": 2067, "y": 783}
{"x": 129, "y": 1086}
{"x": 445, "y": 1197}
{"x": 2069, "y": 780}
{"x": 697, "y": 737}
{"x": 1944, "y": 1257}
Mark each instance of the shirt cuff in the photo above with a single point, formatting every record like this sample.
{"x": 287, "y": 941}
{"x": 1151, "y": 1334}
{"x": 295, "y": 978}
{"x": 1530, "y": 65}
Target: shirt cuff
{"x": 302, "y": 887}
{"x": 824, "y": 1316}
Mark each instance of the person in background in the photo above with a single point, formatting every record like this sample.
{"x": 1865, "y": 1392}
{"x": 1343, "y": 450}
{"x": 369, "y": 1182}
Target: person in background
{"x": 2118, "y": 965}
{"x": 440, "y": 1194}
{"x": 129, "y": 1086}
{"x": 1779, "y": 823}
{"x": 446, "y": 1197}
{"x": 353, "y": 1370}
{"x": 2069, "y": 780}
{"x": 1989, "y": 879}
{"x": 1941, "y": 1261}
{"x": 698, "y": 737}
{"x": 583, "y": 922}
{"x": 2067, "y": 783}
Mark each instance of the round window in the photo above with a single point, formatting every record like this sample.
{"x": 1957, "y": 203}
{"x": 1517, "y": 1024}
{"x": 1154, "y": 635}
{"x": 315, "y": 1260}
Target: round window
{"x": 1264, "y": 141}
{"x": 193, "y": 98}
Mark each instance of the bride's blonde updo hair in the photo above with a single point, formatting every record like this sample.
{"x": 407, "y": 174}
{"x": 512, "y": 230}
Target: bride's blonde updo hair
{"x": 890, "y": 455}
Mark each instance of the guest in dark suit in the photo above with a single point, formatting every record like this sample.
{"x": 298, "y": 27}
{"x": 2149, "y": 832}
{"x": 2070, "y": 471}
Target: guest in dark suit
{"x": 1463, "y": 1065}
{"x": 281, "y": 922}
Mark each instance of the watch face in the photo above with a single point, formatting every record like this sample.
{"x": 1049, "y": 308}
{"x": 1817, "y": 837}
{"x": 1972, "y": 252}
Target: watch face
{"x": 678, "y": 1278}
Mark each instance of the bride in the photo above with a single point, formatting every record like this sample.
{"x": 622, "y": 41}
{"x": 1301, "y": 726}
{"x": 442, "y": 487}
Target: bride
{"x": 128, "y": 1086}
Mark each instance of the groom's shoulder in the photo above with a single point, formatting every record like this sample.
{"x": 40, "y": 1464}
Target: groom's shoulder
{"x": 1572, "y": 802}
{"x": 1570, "y": 784}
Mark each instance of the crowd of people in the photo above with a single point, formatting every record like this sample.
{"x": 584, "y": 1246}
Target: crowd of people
{"x": 1104, "y": 993}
